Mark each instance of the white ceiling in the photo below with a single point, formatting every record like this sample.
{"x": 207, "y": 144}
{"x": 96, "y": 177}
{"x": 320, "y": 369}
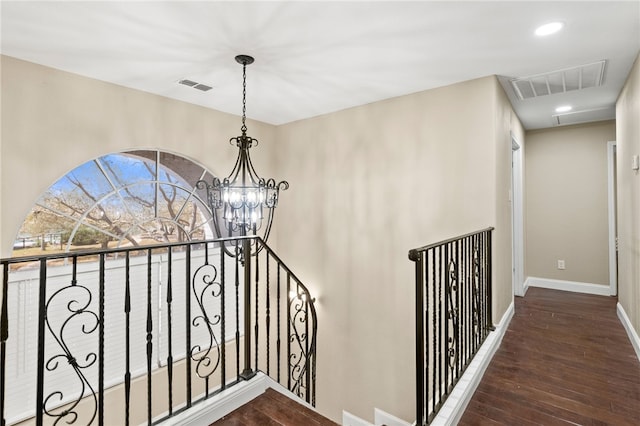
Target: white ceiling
{"x": 317, "y": 57}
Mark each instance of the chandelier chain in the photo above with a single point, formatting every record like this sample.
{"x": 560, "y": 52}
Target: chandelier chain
{"x": 244, "y": 99}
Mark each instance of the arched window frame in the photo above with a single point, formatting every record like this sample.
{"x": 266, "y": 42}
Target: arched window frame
{"x": 164, "y": 170}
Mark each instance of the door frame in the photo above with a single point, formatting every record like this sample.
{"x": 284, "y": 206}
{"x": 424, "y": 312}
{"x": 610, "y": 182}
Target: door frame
{"x": 611, "y": 202}
{"x": 517, "y": 218}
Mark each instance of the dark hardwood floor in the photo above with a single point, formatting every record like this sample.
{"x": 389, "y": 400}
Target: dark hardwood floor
{"x": 565, "y": 360}
{"x": 273, "y": 409}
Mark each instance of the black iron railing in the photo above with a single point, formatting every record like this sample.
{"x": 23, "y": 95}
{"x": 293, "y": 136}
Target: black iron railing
{"x": 453, "y": 314}
{"x": 137, "y": 335}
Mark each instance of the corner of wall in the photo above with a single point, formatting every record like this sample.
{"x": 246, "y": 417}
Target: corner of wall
{"x": 628, "y": 196}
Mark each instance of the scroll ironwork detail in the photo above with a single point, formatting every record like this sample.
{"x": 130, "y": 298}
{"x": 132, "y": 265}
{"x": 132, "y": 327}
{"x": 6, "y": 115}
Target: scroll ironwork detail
{"x": 207, "y": 291}
{"x": 79, "y": 320}
{"x": 452, "y": 313}
{"x": 298, "y": 338}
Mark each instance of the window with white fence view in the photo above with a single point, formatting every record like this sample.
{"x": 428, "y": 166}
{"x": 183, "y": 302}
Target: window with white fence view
{"x": 121, "y": 307}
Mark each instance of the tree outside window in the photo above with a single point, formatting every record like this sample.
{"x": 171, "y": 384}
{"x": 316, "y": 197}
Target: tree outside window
{"x": 126, "y": 199}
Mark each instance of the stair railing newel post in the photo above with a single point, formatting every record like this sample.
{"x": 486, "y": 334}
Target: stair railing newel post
{"x": 490, "y": 326}
{"x": 247, "y": 372}
{"x": 416, "y": 257}
{"x": 42, "y": 302}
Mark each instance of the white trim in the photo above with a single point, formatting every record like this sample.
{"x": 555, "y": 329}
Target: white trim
{"x": 611, "y": 201}
{"x": 626, "y": 322}
{"x": 213, "y": 409}
{"x": 454, "y": 407}
{"x": 381, "y": 418}
{"x": 574, "y": 286}
{"x": 349, "y": 419}
{"x": 517, "y": 216}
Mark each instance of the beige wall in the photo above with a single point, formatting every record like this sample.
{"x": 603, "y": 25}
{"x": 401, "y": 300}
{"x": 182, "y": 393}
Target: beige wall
{"x": 628, "y": 144}
{"x": 53, "y": 121}
{"x": 566, "y": 202}
{"x": 368, "y": 184}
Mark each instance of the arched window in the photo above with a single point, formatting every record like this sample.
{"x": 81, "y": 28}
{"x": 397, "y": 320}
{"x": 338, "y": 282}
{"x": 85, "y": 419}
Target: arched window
{"x": 132, "y": 198}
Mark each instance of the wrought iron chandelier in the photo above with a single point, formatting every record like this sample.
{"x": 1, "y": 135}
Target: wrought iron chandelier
{"x": 243, "y": 203}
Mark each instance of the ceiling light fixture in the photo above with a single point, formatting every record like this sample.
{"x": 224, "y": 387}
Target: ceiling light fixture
{"x": 564, "y": 108}
{"x": 548, "y": 29}
{"x": 243, "y": 200}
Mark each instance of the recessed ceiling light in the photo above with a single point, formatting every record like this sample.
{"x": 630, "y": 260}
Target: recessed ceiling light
{"x": 564, "y": 108}
{"x": 550, "y": 28}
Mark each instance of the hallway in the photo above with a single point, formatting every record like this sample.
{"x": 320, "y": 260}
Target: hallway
{"x": 565, "y": 359}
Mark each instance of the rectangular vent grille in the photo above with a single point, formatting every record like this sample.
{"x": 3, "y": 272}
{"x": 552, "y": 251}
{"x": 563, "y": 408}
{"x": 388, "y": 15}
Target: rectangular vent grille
{"x": 195, "y": 85}
{"x": 202, "y": 87}
{"x": 188, "y": 83}
{"x": 561, "y": 81}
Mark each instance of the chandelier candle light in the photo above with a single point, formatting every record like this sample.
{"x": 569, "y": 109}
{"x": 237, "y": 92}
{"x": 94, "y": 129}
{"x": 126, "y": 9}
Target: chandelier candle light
{"x": 243, "y": 200}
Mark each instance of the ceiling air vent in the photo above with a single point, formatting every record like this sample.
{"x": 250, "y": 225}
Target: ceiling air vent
{"x": 561, "y": 81}
{"x": 195, "y": 85}
{"x": 202, "y": 87}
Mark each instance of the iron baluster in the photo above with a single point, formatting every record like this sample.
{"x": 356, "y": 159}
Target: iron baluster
{"x": 256, "y": 307}
{"x": 434, "y": 327}
{"x": 127, "y": 313}
{"x": 223, "y": 370}
{"x": 279, "y": 332}
{"x": 424, "y": 317}
{"x": 188, "y": 325}
{"x": 442, "y": 336}
{"x": 170, "y": 329}
{"x": 101, "y": 343}
{"x": 149, "y": 337}
{"x": 237, "y": 285}
{"x": 268, "y": 319}
{"x": 288, "y": 331}
{"x": 306, "y": 348}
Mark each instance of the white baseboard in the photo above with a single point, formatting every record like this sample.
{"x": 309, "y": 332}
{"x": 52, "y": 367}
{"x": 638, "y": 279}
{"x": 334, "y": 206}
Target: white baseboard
{"x": 631, "y": 332}
{"x": 383, "y": 418}
{"x": 213, "y": 409}
{"x": 349, "y": 419}
{"x": 574, "y": 286}
{"x": 453, "y": 409}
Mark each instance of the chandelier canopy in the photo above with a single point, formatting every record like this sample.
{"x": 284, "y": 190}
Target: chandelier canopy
{"x": 243, "y": 203}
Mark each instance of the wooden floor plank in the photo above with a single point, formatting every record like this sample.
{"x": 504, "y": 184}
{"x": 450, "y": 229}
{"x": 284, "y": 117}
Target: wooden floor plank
{"x": 273, "y": 409}
{"x": 565, "y": 359}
